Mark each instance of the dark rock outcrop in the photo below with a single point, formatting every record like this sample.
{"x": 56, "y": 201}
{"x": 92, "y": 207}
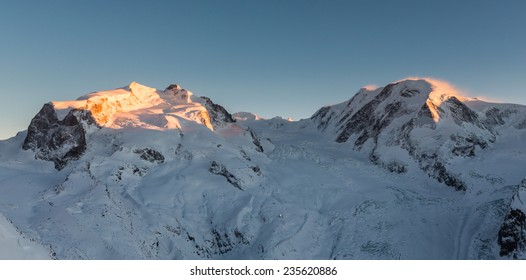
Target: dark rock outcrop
{"x": 256, "y": 140}
{"x": 438, "y": 171}
{"x": 219, "y": 116}
{"x": 494, "y": 117}
{"x": 220, "y": 169}
{"x": 366, "y": 123}
{"x": 57, "y": 140}
{"x": 512, "y": 233}
{"x": 323, "y": 117}
{"x": 462, "y": 114}
{"x": 173, "y": 87}
{"x": 150, "y": 155}
{"x": 465, "y": 146}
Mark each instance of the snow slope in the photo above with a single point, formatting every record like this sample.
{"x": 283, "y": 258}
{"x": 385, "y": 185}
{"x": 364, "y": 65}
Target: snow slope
{"x": 140, "y": 173}
{"x": 421, "y": 120}
{"x": 16, "y": 247}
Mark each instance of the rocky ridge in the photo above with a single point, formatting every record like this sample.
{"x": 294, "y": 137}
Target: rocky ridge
{"x": 426, "y": 118}
{"x": 63, "y": 139}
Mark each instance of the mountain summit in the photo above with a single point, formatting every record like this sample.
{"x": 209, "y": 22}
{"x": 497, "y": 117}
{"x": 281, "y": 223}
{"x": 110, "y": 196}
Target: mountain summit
{"x": 140, "y": 106}
{"x": 58, "y": 132}
{"x": 427, "y": 118}
{"x": 412, "y": 170}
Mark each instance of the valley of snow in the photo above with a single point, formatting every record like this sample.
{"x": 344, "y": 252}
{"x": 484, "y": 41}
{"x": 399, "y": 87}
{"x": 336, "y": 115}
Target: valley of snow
{"x": 412, "y": 170}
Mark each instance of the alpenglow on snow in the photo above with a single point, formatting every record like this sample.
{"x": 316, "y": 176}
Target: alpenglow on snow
{"x": 412, "y": 170}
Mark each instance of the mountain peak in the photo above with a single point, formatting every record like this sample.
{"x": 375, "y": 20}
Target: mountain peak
{"x": 423, "y": 116}
{"x": 136, "y": 104}
{"x": 134, "y": 84}
{"x": 436, "y": 90}
{"x": 135, "y": 87}
{"x": 58, "y": 132}
{"x": 417, "y": 94}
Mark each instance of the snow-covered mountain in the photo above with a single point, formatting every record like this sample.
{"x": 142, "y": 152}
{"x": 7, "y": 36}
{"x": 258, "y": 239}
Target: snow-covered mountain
{"x": 426, "y": 121}
{"x": 413, "y": 170}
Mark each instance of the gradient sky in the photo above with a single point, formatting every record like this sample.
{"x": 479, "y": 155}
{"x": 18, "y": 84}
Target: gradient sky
{"x": 271, "y": 57}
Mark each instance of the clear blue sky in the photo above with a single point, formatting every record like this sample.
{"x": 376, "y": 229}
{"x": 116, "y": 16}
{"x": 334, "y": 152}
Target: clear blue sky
{"x": 271, "y": 57}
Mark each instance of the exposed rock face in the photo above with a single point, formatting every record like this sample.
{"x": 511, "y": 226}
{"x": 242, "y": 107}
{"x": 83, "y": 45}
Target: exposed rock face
{"x": 219, "y": 116}
{"x": 322, "y": 118}
{"x": 180, "y": 93}
{"x": 256, "y": 140}
{"x": 462, "y": 113}
{"x": 220, "y": 169}
{"x": 406, "y": 115}
{"x": 512, "y": 233}
{"x": 214, "y": 116}
{"x": 57, "y": 140}
{"x": 173, "y": 87}
{"x": 63, "y": 140}
{"x": 150, "y": 155}
{"x": 365, "y": 123}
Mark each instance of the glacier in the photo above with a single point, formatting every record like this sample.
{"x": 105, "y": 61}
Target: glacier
{"x": 412, "y": 170}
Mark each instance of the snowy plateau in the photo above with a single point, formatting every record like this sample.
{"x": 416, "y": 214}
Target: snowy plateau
{"x": 412, "y": 170}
